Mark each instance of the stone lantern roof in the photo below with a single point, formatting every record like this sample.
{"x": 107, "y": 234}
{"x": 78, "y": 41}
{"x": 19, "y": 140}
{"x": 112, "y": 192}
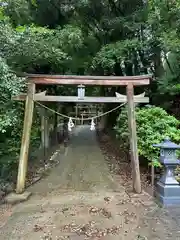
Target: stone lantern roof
{"x": 167, "y": 144}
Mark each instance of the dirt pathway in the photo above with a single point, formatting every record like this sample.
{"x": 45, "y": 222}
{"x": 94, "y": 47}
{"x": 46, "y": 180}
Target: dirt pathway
{"x": 82, "y": 168}
{"x": 80, "y": 199}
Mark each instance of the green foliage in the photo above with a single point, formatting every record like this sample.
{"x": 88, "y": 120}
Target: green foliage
{"x": 169, "y": 82}
{"x": 10, "y": 85}
{"x": 36, "y": 47}
{"x": 121, "y": 51}
{"x": 153, "y": 125}
{"x": 164, "y": 20}
{"x": 18, "y": 11}
{"x": 10, "y": 118}
{"x": 39, "y": 49}
{"x": 11, "y": 121}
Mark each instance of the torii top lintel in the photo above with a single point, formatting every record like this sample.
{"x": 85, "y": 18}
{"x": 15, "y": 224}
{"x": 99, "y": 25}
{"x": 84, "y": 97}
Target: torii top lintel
{"x": 88, "y": 80}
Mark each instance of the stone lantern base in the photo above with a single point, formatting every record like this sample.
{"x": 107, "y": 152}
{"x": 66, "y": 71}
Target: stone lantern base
{"x": 168, "y": 195}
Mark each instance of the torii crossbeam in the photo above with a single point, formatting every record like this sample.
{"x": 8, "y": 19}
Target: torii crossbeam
{"x": 42, "y": 97}
{"x": 31, "y": 96}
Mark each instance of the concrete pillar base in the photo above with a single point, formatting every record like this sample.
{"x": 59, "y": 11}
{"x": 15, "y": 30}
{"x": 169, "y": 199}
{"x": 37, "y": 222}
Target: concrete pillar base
{"x": 14, "y": 198}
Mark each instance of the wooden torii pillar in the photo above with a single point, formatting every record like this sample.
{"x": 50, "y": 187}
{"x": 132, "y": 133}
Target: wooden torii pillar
{"x": 31, "y": 96}
{"x": 24, "y": 152}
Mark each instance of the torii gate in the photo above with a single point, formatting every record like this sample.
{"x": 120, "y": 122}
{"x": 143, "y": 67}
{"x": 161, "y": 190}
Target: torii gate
{"x": 31, "y": 96}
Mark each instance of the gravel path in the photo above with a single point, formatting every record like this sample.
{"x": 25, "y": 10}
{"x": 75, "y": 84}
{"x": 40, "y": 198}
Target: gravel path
{"x": 80, "y": 199}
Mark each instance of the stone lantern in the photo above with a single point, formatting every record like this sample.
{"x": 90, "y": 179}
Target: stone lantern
{"x": 168, "y": 188}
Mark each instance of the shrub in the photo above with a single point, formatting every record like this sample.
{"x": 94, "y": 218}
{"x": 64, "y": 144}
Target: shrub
{"x": 11, "y": 121}
{"x": 153, "y": 125}
{"x": 11, "y": 116}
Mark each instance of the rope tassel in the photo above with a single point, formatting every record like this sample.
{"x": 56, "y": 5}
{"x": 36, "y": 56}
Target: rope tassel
{"x": 70, "y": 125}
{"x": 92, "y": 125}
